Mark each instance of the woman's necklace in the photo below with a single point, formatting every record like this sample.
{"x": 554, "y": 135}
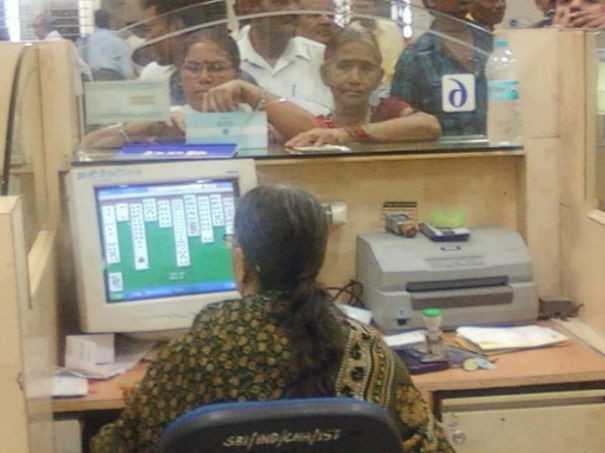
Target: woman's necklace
{"x": 347, "y": 122}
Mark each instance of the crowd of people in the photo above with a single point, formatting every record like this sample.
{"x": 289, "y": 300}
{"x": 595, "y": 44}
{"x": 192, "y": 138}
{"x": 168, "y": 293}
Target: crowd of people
{"x": 376, "y": 87}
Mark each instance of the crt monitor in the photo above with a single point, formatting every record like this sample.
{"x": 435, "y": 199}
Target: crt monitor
{"x": 148, "y": 241}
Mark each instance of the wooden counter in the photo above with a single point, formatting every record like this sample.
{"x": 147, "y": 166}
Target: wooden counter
{"x": 571, "y": 363}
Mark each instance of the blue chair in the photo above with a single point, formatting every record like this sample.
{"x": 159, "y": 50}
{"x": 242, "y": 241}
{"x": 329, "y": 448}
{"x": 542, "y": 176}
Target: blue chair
{"x": 334, "y": 425}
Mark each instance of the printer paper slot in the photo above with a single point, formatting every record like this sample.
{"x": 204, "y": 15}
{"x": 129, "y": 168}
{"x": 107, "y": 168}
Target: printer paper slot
{"x": 439, "y": 285}
{"x": 477, "y": 297}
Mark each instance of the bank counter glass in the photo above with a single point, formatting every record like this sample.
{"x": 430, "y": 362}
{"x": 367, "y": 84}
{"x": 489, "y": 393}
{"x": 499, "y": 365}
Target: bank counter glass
{"x": 286, "y": 80}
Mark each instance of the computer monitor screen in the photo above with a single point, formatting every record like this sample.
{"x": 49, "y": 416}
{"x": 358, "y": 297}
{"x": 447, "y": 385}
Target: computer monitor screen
{"x": 149, "y": 241}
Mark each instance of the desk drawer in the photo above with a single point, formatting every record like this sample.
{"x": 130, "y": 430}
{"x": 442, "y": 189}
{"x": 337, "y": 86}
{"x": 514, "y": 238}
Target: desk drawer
{"x": 527, "y": 423}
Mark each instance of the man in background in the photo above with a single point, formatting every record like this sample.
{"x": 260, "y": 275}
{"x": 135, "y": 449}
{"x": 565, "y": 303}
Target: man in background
{"x": 163, "y": 20}
{"x": 105, "y": 52}
{"x": 284, "y": 64}
{"x": 487, "y": 13}
{"x": 45, "y": 29}
{"x": 386, "y": 31}
{"x": 548, "y": 10}
{"x": 318, "y": 27}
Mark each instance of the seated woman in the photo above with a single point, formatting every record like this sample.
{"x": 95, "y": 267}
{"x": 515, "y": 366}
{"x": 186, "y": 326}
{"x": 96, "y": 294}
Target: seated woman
{"x": 283, "y": 339}
{"x": 352, "y": 71}
{"x": 210, "y": 84}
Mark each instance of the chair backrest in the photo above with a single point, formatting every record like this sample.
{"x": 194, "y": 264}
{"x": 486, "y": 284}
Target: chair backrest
{"x": 287, "y": 425}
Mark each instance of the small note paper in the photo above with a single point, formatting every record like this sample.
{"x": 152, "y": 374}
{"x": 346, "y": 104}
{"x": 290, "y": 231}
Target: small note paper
{"x": 67, "y": 384}
{"x": 82, "y": 350}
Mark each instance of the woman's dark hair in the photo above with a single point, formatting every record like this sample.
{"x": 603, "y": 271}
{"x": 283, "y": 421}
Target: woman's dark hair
{"x": 282, "y": 232}
{"x": 352, "y": 33}
{"x": 219, "y": 36}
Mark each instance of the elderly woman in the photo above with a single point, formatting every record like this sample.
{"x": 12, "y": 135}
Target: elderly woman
{"x": 352, "y": 71}
{"x": 283, "y": 338}
{"x": 210, "y": 84}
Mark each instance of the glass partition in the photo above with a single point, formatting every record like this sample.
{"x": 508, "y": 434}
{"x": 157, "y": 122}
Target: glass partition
{"x": 276, "y": 78}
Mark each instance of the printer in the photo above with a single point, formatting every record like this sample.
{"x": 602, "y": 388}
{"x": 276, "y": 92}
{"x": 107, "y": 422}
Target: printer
{"x": 486, "y": 279}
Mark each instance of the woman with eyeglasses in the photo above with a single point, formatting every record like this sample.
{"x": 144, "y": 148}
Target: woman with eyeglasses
{"x": 210, "y": 77}
{"x": 284, "y": 338}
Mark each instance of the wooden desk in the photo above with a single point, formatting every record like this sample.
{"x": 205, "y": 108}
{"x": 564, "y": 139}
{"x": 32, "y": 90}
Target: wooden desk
{"x": 102, "y": 395}
{"x": 568, "y": 364}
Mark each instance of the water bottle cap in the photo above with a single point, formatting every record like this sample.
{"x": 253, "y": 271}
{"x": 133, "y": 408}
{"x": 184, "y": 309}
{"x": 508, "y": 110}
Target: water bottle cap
{"x": 500, "y": 43}
{"x": 431, "y": 312}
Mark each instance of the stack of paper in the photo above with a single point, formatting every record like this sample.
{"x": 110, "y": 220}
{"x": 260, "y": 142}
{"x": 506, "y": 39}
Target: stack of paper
{"x": 492, "y": 340}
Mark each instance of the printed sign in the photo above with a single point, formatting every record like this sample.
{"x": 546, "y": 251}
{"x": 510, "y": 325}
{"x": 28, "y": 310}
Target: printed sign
{"x": 121, "y": 101}
{"x": 458, "y": 93}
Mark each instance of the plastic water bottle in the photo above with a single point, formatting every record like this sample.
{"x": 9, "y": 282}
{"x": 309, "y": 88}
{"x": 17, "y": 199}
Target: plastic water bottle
{"x": 433, "y": 336}
{"x": 504, "y": 112}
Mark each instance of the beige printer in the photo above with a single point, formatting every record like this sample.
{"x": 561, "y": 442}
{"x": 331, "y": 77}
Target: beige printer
{"x": 484, "y": 280}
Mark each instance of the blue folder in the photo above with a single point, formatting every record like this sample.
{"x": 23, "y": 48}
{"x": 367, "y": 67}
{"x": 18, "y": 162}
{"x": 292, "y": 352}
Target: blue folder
{"x": 145, "y": 151}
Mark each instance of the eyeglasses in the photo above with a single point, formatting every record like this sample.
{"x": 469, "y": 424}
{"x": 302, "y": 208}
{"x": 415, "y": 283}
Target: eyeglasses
{"x": 230, "y": 241}
{"x": 212, "y": 67}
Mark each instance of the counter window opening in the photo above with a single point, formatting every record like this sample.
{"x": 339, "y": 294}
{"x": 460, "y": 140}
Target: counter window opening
{"x": 281, "y": 49}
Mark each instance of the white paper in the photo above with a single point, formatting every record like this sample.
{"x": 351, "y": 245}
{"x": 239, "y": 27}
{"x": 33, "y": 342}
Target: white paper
{"x": 129, "y": 352}
{"x": 93, "y": 349}
{"x": 66, "y": 384}
{"x": 361, "y": 315}
{"x": 405, "y": 338}
{"x": 120, "y": 101}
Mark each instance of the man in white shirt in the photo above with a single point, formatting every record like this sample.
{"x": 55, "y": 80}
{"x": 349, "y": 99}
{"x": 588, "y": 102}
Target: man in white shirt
{"x": 284, "y": 64}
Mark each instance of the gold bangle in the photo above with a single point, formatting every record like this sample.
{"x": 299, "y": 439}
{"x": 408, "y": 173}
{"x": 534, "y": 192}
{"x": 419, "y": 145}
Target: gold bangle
{"x": 262, "y": 101}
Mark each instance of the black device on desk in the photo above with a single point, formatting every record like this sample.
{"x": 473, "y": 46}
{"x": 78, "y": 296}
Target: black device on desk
{"x": 444, "y": 234}
{"x": 418, "y": 362}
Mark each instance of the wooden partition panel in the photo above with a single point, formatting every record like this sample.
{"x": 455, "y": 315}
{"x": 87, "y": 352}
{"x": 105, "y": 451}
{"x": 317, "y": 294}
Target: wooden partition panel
{"x": 582, "y": 226}
{"x": 13, "y": 269}
{"x": 484, "y": 185}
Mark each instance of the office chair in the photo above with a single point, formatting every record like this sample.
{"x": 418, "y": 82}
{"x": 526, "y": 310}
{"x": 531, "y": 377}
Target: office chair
{"x": 326, "y": 425}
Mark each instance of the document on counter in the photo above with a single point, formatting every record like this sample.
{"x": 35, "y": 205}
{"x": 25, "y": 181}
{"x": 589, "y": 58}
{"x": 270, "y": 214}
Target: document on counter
{"x": 504, "y": 339}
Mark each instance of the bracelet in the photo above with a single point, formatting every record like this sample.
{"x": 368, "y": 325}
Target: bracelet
{"x": 123, "y": 133}
{"x": 262, "y": 101}
{"x": 359, "y": 133}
